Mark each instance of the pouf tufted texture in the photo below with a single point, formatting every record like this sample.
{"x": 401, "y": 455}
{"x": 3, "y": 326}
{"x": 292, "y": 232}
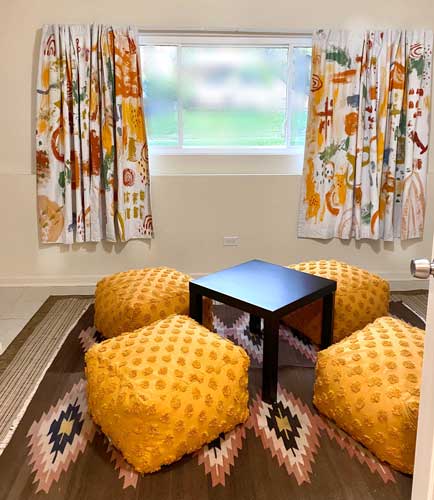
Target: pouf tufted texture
{"x": 369, "y": 385}
{"x": 361, "y": 297}
{"x": 129, "y": 300}
{"x": 166, "y": 389}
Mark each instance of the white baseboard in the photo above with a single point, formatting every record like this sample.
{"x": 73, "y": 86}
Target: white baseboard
{"x": 408, "y": 285}
{"x": 50, "y": 280}
{"x": 403, "y": 282}
{"x": 398, "y": 281}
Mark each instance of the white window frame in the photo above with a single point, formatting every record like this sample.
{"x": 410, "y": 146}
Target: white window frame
{"x": 231, "y": 40}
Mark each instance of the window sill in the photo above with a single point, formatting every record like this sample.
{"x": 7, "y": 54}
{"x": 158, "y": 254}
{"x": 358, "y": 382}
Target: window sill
{"x": 225, "y": 164}
{"x": 226, "y": 151}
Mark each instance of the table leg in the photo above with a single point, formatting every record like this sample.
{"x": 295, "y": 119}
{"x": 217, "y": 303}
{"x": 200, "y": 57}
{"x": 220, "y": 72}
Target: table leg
{"x": 255, "y": 324}
{"x": 327, "y": 320}
{"x": 270, "y": 360}
{"x": 196, "y": 305}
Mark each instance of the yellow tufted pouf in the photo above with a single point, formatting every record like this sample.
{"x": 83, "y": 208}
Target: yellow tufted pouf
{"x": 369, "y": 385}
{"x": 360, "y": 298}
{"x": 132, "y": 299}
{"x": 165, "y": 390}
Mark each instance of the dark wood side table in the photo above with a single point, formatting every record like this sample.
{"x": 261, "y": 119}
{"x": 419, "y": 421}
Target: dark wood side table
{"x": 270, "y": 292}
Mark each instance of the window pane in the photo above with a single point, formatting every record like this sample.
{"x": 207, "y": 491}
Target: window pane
{"x": 234, "y": 96}
{"x": 160, "y": 88}
{"x": 300, "y": 83}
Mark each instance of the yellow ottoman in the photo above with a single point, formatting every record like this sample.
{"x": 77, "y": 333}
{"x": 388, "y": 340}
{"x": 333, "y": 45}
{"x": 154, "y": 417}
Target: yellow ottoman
{"x": 360, "y": 298}
{"x": 132, "y": 299}
{"x": 369, "y": 385}
{"x": 165, "y": 390}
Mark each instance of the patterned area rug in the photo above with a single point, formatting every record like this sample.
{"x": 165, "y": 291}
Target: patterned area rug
{"x": 285, "y": 450}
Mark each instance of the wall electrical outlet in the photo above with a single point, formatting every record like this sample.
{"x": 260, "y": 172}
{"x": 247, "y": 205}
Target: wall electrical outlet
{"x": 231, "y": 241}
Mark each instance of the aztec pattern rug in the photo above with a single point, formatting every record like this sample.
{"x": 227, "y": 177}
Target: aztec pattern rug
{"x": 284, "y": 450}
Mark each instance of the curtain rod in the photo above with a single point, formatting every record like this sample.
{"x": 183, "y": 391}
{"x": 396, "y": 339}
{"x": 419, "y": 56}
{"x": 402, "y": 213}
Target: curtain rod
{"x": 224, "y": 32}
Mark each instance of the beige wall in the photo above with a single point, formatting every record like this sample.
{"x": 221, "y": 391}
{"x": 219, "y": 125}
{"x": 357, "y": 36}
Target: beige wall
{"x": 192, "y": 213}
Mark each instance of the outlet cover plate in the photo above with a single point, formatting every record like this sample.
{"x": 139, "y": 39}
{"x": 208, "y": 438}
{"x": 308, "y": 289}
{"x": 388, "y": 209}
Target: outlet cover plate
{"x": 231, "y": 241}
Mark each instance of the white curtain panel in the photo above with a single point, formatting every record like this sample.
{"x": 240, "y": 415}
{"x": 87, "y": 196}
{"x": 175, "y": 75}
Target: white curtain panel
{"x": 366, "y": 156}
{"x": 91, "y": 146}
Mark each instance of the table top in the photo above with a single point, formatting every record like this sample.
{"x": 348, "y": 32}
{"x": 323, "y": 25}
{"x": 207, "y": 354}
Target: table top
{"x": 267, "y": 287}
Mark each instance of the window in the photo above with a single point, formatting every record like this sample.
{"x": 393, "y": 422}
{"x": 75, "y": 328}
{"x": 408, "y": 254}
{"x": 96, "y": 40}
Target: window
{"x": 231, "y": 94}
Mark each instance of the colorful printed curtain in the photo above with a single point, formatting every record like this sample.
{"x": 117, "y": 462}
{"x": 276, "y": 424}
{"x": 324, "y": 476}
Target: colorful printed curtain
{"x": 366, "y": 153}
{"x": 91, "y": 147}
